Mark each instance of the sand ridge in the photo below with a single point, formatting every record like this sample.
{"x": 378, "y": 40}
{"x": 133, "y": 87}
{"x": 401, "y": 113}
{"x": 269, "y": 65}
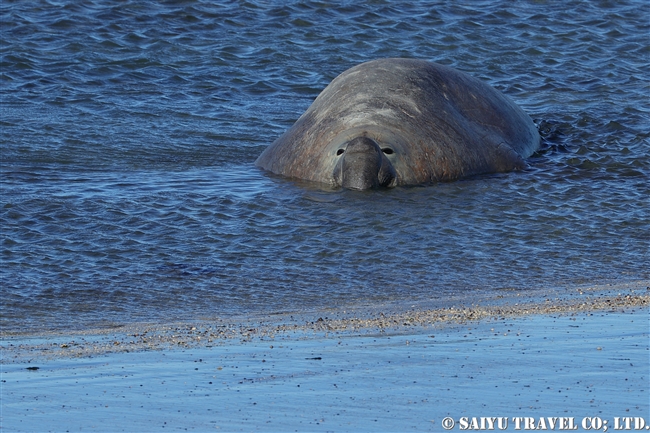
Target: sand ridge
{"x": 207, "y": 333}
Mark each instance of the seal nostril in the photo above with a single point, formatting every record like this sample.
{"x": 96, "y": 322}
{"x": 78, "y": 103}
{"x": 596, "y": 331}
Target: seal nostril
{"x": 340, "y": 152}
{"x": 387, "y": 150}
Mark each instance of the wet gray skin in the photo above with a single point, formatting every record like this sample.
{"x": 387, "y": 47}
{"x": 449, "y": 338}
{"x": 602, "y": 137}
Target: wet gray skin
{"x": 363, "y": 165}
{"x": 396, "y": 122}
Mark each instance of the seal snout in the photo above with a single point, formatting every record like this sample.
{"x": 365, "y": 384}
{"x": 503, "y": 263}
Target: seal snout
{"x": 363, "y": 165}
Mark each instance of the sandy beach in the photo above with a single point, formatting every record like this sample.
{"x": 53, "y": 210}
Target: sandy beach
{"x": 580, "y": 361}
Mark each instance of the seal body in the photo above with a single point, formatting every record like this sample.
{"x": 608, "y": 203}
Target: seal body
{"x": 395, "y": 122}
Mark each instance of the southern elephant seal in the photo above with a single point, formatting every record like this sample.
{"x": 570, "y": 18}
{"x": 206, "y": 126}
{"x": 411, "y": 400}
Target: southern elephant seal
{"x": 395, "y": 122}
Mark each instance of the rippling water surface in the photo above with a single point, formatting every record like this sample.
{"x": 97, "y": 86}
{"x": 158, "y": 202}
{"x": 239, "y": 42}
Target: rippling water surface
{"x": 129, "y": 132}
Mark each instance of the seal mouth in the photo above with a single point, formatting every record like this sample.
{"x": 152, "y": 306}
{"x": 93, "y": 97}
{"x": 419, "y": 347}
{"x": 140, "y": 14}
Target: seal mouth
{"x": 363, "y": 165}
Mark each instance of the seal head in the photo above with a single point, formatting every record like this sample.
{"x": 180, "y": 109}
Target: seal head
{"x": 363, "y": 165}
{"x": 393, "y": 122}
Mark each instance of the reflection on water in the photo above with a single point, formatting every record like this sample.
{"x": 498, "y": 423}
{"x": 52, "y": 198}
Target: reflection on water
{"x": 129, "y": 135}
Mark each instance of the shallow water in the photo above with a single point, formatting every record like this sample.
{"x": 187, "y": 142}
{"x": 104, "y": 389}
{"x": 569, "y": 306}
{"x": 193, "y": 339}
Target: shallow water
{"x": 129, "y": 132}
{"x": 580, "y": 366}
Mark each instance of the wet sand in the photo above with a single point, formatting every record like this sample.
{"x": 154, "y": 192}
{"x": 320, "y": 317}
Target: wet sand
{"x": 583, "y": 355}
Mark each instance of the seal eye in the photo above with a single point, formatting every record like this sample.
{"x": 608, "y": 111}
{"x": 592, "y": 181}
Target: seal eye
{"x": 387, "y": 150}
{"x": 340, "y": 152}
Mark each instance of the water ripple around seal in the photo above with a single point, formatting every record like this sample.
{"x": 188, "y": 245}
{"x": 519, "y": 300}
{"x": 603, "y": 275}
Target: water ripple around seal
{"x": 129, "y": 133}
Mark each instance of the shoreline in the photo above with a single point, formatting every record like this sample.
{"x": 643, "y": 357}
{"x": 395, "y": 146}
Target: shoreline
{"x": 582, "y": 367}
{"x": 581, "y": 358}
{"x": 128, "y": 338}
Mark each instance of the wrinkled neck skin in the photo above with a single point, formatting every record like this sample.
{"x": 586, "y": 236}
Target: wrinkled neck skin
{"x": 362, "y": 165}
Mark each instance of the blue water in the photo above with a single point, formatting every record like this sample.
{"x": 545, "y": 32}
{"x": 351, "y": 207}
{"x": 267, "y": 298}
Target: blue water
{"x": 129, "y": 131}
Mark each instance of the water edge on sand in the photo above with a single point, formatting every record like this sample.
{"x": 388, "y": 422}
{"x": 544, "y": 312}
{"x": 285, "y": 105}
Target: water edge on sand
{"x": 408, "y": 372}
